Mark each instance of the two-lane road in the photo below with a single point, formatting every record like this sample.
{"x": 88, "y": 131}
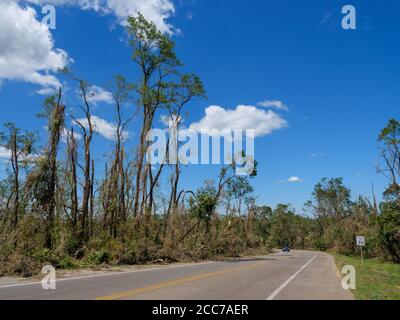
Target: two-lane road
{"x": 297, "y": 275}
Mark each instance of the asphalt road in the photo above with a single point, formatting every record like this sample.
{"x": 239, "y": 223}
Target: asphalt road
{"x": 298, "y": 275}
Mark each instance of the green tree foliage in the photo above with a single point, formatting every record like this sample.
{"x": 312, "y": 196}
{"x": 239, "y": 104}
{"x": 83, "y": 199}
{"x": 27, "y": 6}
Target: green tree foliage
{"x": 389, "y": 220}
{"x": 20, "y": 147}
{"x": 339, "y": 219}
{"x": 288, "y": 228}
{"x": 57, "y": 207}
{"x": 160, "y": 86}
{"x": 203, "y": 203}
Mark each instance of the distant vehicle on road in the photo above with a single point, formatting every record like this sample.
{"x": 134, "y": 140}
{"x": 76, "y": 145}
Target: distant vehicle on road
{"x": 286, "y": 248}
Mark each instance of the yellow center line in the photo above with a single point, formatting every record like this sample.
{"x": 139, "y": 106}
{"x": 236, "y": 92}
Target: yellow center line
{"x": 176, "y": 282}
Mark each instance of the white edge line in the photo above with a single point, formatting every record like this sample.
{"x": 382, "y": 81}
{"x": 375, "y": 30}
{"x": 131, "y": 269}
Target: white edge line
{"x": 283, "y": 285}
{"x": 110, "y": 274}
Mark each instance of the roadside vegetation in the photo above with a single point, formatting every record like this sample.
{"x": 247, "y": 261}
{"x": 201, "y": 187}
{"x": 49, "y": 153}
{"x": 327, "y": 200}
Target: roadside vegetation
{"x": 59, "y": 206}
{"x": 375, "y": 280}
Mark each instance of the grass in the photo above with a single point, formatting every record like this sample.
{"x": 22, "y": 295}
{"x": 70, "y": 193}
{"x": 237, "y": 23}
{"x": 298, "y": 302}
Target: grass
{"x": 375, "y": 280}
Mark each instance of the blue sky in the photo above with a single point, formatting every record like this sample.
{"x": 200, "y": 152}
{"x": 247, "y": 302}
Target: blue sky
{"x": 340, "y": 86}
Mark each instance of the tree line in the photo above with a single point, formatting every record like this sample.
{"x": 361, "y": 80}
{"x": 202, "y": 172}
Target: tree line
{"x": 58, "y": 206}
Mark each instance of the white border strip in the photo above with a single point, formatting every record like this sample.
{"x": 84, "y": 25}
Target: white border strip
{"x": 283, "y": 285}
{"x": 110, "y": 274}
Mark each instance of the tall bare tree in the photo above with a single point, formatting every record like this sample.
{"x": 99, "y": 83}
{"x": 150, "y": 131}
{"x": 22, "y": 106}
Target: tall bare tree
{"x": 153, "y": 52}
{"x": 114, "y": 184}
{"x": 56, "y": 126}
{"x": 20, "y": 148}
{"x": 72, "y": 179}
{"x": 86, "y": 126}
{"x": 184, "y": 92}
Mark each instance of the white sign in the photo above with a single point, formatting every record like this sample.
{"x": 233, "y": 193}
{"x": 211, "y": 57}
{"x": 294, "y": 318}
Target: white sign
{"x": 360, "y": 241}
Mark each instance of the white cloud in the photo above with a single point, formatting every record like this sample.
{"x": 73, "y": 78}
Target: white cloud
{"x": 157, "y": 11}
{"x": 106, "y": 129}
{"x": 27, "y": 50}
{"x": 97, "y": 95}
{"x": 167, "y": 120}
{"x": 66, "y": 132}
{"x": 277, "y": 104}
{"x": 317, "y": 155}
{"x": 294, "y": 179}
{"x": 243, "y": 117}
{"x": 4, "y": 153}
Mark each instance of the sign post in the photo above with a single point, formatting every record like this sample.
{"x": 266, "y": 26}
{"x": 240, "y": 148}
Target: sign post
{"x": 361, "y": 243}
